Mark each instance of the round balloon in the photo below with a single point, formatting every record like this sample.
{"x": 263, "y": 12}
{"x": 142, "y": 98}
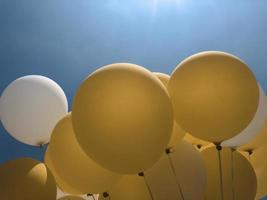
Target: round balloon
{"x": 71, "y": 197}
{"x": 30, "y": 107}
{"x": 255, "y": 126}
{"x": 122, "y": 117}
{"x": 164, "y": 78}
{"x": 177, "y": 132}
{"x": 64, "y": 187}
{"x": 257, "y": 158}
{"x": 238, "y": 180}
{"x": 130, "y": 187}
{"x": 211, "y": 89}
{"x": 195, "y": 141}
{"x": 73, "y": 166}
{"x": 178, "y": 175}
{"x": 26, "y": 179}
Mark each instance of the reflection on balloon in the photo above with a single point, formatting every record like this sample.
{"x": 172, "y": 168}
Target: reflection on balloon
{"x": 26, "y": 179}
{"x": 73, "y": 166}
{"x": 122, "y": 117}
{"x": 211, "y": 89}
{"x": 30, "y": 107}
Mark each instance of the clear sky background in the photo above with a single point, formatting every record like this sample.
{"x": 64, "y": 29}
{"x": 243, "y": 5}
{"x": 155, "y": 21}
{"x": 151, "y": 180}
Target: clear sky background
{"x": 68, "y": 39}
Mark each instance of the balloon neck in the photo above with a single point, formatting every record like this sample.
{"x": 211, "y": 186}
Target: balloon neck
{"x": 169, "y": 150}
{"x": 105, "y": 194}
{"x": 141, "y": 174}
{"x": 250, "y": 152}
{"x": 218, "y": 146}
{"x": 199, "y": 146}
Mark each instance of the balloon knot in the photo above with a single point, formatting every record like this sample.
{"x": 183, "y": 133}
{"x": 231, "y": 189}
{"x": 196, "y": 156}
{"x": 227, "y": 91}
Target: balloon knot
{"x": 141, "y": 174}
{"x": 105, "y": 194}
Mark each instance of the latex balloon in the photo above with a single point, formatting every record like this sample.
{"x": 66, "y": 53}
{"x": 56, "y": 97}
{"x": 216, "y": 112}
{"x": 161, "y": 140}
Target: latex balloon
{"x": 177, "y": 135}
{"x": 59, "y": 181}
{"x": 257, "y": 158}
{"x": 164, "y": 78}
{"x": 254, "y": 128}
{"x": 30, "y": 107}
{"x": 122, "y": 117}
{"x": 70, "y": 197}
{"x": 26, "y": 179}
{"x": 130, "y": 187}
{"x": 177, "y": 132}
{"x": 178, "y": 175}
{"x": 195, "y": 141}
{"x": 61, "y": 194}
{"x": 238, "y": 180}
{"x": 256, "y": 142}
{"x": 211, "y": 89}
{"x": 73, "y": 166}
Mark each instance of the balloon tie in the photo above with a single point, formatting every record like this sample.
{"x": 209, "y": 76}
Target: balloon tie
{"x": 106, "y": 195}
{"x": 142, "y": 174}
{"x": 219, "y": 148}
{"x": 168, "y": 152}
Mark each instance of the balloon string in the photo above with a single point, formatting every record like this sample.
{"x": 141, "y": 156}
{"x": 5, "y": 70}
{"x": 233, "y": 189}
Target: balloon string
{"x": 142, "y": 174}
{"x": 175, "y": 175}
{"x": 149, "y": 189}
{"x": 219, "y": 148}
{"x": 233, "y": 186}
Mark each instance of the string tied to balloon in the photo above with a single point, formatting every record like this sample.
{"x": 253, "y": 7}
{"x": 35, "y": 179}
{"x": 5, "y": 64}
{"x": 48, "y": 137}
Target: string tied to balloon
{"x": 142, "y": 174}
{"x": 169, "y": 151}
{"x": 219, "y": 148}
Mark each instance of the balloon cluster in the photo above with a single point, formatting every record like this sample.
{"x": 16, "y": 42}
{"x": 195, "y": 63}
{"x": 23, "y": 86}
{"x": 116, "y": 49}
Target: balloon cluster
{"x": 137, "y": 135}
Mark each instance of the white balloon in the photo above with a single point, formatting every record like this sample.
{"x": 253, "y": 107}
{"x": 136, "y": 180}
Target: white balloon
{"x": 254, "y": 127}
{"x": 30, "y": 107}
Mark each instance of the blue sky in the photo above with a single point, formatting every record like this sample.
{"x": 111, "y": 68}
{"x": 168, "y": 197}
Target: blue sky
{"x": 68, "y": 39}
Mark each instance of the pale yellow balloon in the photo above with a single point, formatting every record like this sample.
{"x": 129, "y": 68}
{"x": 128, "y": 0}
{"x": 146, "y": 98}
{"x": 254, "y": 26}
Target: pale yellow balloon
{"x": 256, "y": 142}
{"x": 257, "y": 158}
{"x": 214, "y": 94}
{"x": 177, "y": 135}
{"x": 164, "y": 78}
{"x": 26, "y": 179}
{"x": 130, "y": 187}
{"x": 195, "y": 141}
{"x": 59, "y": 181}
{"x": 73, "y": 166}
{"x": 177, "y": 132}
{"x": 70, "y": 197}
{"x": 178, "y": 175}
{"x": 239, "y": 180}
{"x": 122, "y": 117}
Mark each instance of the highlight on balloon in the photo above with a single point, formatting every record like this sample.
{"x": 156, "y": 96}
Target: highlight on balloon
{"x": 198, "y": 133}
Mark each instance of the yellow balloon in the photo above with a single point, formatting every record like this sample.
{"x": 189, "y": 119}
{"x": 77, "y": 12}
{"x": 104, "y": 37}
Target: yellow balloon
{"x": 256, "y": 142}
{"x": 26, "y": 179}
{"x": 59, "y": 181}
{"x": 70, "y": 197}
{"x": 177, "y": 132}
{"x": 239, "y": 180}
{"x": 122, "y": 117}
{"x": 164, "y": 78}
{"x": 214, "y": 95}
{"x": 130, "y": 187}
{"x": 257, "y": 158}
{"x": 195, "y": 141}
{"x": 73, "y": 166}
{"x": 178, "y": 175}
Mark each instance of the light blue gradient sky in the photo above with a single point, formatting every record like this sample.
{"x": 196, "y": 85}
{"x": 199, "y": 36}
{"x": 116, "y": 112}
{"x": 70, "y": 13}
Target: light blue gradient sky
{"x": 67, "y": 39}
